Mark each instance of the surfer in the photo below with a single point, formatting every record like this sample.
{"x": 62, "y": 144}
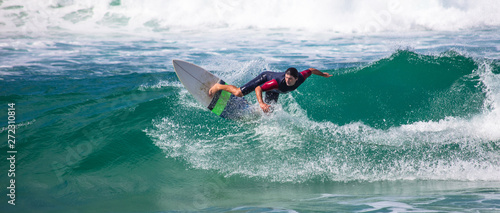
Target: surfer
{"x": 273, "y": 83}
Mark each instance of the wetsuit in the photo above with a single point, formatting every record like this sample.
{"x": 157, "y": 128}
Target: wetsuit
{"x": 273, "y": 83}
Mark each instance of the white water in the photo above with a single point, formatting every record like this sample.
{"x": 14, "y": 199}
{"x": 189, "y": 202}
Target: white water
{"x": 149, "y": 16}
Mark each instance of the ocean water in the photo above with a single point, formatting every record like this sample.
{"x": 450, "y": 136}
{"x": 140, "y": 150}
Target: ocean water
{"x": 409, "y": 122}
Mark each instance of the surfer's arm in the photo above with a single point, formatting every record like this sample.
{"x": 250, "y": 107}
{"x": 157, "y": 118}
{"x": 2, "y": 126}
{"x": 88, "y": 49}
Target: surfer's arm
{"x": 258, "y": 93}
{"x": 317, "y": 72}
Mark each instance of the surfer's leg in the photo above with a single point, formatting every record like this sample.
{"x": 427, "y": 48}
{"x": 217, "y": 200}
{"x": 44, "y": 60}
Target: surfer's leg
{"x": 230, "y": 88}
{"x": 242, "y": 91}
{"x": 254, "y": 83}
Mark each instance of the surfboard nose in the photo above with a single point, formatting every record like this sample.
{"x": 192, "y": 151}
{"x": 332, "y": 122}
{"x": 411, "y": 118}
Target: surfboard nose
{"x": 176, "y": 61}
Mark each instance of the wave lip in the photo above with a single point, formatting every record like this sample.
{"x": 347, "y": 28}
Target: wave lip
{"x": 361, "y": 16}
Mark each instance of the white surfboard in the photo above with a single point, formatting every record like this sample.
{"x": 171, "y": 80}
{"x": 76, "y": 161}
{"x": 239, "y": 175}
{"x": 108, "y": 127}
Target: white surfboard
{"x": 198, "y": 82}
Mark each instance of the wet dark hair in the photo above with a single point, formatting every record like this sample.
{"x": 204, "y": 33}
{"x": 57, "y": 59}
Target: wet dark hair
{"x": 293, "y": 72}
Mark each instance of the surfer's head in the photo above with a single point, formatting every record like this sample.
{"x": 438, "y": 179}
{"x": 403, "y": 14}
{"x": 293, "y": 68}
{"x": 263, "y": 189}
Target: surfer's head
{"x": 291, "y": 76}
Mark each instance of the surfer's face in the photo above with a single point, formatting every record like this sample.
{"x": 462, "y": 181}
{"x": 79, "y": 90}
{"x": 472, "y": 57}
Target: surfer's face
{"x": 290, "y": 80}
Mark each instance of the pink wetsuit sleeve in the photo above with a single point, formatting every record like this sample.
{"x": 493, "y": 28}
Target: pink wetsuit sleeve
{"x": 306, "y": 73}
{"x": 270, "y": 85}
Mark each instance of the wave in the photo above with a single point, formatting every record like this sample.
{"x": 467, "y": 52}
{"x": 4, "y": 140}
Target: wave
{"x": 405, "y": 117}
{"x": 361, "y": 16}
{"x": 404, "y": 88}
{"x": 409, "y": 116}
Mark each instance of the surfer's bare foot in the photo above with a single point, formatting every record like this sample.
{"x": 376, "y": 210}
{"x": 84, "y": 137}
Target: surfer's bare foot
{"x": 215, "y": 88}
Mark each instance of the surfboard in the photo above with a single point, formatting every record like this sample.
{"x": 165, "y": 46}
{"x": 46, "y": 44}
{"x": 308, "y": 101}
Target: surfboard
{"x": 198, "y": 82}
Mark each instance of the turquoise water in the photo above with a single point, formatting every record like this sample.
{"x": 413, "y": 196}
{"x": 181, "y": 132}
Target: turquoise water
{"x": 409, "y": 122}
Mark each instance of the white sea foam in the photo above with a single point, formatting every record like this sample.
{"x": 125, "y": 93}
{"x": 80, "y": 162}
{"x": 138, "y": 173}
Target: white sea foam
{"x": 360, "y": 16}
{"x": 159, "y": 85}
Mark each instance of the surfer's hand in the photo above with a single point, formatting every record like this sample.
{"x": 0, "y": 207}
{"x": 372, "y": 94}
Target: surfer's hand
{"x": 265, "y": 107}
